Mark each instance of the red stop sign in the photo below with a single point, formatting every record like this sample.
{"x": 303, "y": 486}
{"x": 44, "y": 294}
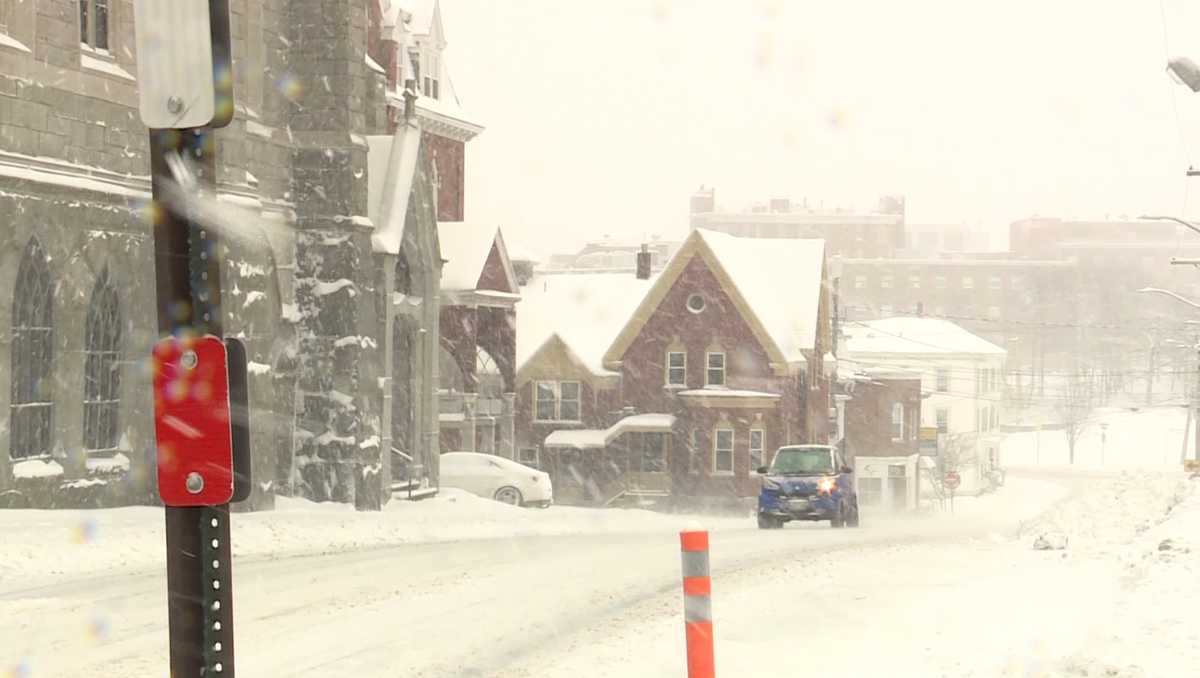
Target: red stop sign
{"x": 952, "y": 480}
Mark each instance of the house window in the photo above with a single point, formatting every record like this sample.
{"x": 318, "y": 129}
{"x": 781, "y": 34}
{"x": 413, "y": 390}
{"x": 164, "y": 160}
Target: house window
{"x": 897, "y": 422}
{"x": 943, "y": 420}
{"x": 940, "y": 282}
{"x": 996, "y": 283}
{"x": 102, "y": 368}
{"x": 756, "y": 448}
{"x": 93, "y": 24}
{"x": 914, "y": 281}
{"x": 870, "y": 491}
{"x": 715, "y": 374}
{"x": 528, "y": 456}
{"x": 723, "y": 451}
{"x": 556, "y": 401}
{"x": 860, "y": 282}
{"x": 968, "y": 282}
{"x": 568, "y": 403}
{"x": 886, "y": 282}
{"x": 433, "y": 73}
{"x": 943, "y": 380}
{"x": 676, "y": 368}
{"x": 32, "y": 404}
{"x": 648, "y": 453}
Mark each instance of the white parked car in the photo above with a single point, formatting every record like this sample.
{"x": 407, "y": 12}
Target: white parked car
{"x": 496, "y": 478}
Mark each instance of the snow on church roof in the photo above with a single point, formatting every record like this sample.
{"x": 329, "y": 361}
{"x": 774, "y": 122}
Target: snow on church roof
{"x": 931, "y": 336}
{"x": 585, "y": 310}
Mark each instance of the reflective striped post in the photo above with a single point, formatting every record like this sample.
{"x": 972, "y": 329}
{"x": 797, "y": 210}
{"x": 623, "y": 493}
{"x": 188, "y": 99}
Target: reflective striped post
{"x": 697, "y": 604}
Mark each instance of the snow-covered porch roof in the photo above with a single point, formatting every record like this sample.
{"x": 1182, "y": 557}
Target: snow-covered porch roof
{"x": 598, "y": 439}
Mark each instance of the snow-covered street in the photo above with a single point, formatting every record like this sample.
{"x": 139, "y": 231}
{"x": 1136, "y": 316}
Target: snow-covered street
{"x": 569, "y": 592}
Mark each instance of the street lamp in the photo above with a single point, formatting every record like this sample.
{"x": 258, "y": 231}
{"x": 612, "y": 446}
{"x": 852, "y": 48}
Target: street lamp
{"x": 1185, "y": 71}
{"x": 1196, "y": 396}
{"x": 1179, "y": 260}
{"x": 1169, "y": 293}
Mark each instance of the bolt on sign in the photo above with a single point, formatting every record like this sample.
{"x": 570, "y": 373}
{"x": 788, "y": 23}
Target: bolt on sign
{"x": 193, "y": 421}
{"x": 184, "y": 76}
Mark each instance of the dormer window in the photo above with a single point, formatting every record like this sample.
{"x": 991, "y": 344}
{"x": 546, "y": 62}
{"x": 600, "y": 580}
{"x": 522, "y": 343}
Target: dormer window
{"x": 430, "y": 84}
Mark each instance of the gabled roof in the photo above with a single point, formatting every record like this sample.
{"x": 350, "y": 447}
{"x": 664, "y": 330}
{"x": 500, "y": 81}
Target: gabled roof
{"x": 425, "y": 15}
{"x": 584, "y": 311}
{"x": 391, "y": 167}
{"x": 466, "y": 248}
{"x": 776, "y": 283}
{"x": 906, "y": 335}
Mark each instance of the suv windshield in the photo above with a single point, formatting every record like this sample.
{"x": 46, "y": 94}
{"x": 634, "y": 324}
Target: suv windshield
{"x": 803, "y": 461}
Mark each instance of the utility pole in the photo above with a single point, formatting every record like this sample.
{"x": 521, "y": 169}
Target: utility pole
{"x": 185, "y": 93}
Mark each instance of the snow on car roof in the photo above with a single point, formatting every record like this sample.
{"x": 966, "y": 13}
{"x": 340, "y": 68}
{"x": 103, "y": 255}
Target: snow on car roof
{"x": 915, "y": 335}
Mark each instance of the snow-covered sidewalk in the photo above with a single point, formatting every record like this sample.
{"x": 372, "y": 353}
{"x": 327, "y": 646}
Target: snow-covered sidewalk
{"x": 46, "y": 547}
{"x": 985, "y": 604}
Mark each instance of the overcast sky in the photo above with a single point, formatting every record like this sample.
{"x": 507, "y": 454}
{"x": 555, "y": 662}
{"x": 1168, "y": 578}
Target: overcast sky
{"x": 602, "y": 118}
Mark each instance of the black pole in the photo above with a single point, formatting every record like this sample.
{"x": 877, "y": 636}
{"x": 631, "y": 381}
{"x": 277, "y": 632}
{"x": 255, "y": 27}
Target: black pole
{"x": 187, "y": 269}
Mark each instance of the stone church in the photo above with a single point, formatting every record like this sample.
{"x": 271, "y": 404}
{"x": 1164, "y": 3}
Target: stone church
{"x": 343, "y": 107}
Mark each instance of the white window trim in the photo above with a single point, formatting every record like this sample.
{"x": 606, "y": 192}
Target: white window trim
{"x": 667, "y": 370}
{"x": 87, "y": 46}
{"x": 937, "y": 380}
{"x": 762, "y": 449}
{"x": 732, "y": 452}
{"x": 724, "y": 370}
{"x": 557, "y": 386}
{"x": 895, "y": 438}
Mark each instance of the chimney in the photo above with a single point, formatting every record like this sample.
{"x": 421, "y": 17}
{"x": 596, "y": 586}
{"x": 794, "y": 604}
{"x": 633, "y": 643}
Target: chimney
{"x": 704, "y": 200}
{"x": 643, "y": 263}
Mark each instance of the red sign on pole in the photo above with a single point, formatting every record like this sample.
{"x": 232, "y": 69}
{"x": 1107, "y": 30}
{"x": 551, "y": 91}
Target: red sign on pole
{"x": 952, "y": 480}
{"x": 192, "y": 421}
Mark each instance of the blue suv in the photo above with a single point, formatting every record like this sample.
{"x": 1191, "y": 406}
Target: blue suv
{"x": 807, "y": 482}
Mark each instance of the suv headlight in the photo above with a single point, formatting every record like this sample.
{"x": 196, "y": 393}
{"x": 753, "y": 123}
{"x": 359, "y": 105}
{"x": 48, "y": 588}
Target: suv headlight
{"x": 826, "y": 484}
{"x": 771, "y": 485}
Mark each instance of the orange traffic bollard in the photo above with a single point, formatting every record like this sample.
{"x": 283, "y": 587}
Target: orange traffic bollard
{"x": 697, "y": 604}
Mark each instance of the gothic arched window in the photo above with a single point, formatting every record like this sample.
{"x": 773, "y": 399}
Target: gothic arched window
{"x": 32, "y": 404}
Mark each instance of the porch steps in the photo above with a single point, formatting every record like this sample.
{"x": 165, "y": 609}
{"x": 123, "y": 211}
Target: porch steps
{"x": 412, "y": 491}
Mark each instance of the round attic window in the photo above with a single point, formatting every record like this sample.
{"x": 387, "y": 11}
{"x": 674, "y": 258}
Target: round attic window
{"x": 695, "y": 303}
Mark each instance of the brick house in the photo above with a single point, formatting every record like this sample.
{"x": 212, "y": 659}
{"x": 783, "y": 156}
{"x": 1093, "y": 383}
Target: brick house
{"x": 961, "y": 386}
{"x": 880, "y": 419}
{"x": 720, "y": 360}
{"x": 477, "y": 367}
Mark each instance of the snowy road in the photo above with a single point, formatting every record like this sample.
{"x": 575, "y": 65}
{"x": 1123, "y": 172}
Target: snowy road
{"x": 952, "y": 594}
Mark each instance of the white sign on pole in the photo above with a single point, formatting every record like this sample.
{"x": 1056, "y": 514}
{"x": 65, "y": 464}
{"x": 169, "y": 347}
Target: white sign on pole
{"x": 175, "y": 63}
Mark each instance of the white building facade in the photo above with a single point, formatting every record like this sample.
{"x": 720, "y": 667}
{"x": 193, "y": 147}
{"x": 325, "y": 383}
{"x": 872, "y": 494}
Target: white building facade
{"x": 961, "y": 386}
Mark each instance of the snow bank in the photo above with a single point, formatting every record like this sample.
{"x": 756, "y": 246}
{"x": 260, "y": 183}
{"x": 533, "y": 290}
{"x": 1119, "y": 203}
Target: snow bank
{"x": 45, "y": 546}
{"x": 1111, "y": 439}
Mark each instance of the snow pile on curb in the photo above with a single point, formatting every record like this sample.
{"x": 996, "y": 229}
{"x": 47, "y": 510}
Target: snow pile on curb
{"x": 46, "y": 546}
{"x": 1104, "y": 522}
{"x": 1155, "y": 625}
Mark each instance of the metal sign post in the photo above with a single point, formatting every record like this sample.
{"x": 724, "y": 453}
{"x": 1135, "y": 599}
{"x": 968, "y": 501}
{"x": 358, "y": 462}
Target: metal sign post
{"x": 185, "y": 92}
